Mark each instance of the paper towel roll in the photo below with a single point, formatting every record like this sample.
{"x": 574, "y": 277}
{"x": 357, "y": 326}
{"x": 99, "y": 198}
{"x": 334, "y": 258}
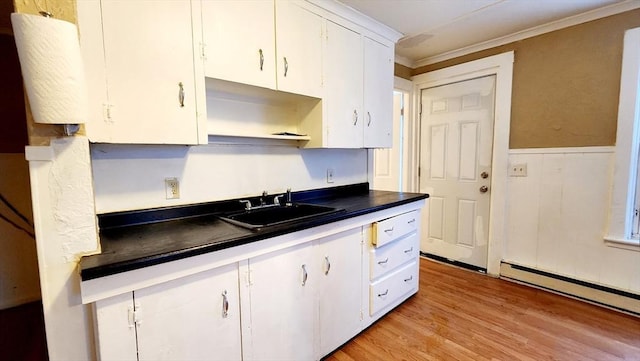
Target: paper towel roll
{"x": 52, "y": 69}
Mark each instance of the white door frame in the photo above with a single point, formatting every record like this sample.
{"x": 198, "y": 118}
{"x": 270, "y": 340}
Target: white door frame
{"x": 409, "y": 157}
{"x": 502, "y": 66}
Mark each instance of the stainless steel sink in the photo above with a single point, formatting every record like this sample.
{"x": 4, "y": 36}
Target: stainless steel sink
{"x": 277, "y": 215}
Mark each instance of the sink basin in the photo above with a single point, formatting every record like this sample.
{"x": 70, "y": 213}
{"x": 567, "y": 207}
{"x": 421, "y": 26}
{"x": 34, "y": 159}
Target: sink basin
{"x": 265, "y": 217}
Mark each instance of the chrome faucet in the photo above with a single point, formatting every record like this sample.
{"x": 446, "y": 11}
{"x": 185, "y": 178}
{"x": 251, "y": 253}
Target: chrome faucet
{"x": 288, "y": 203}
{"x": 277, "y": 199}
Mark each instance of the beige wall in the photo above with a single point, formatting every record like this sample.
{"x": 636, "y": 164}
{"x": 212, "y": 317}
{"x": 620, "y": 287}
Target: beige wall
{"x": 565, "y": 83}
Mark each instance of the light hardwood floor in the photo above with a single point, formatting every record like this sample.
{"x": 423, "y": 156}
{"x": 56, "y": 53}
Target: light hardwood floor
{"x": 462, "y": 315}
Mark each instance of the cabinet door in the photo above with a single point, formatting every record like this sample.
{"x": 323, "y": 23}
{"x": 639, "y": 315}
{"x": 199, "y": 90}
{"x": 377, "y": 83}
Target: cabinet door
{"x": 115, "y": 328}
{"x": 191, "y": 318}
{"x": 378, "y": 94}
{"x": 299, "y": 49}
{"x": 283, "y": 305}
{"x": 340, "y": 297}
{"x": 343, "y": 88}
{"x": 239, "y": 41}
{"x": 149, "y": 60}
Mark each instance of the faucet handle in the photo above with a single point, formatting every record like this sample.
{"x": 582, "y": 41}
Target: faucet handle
{"x": 247, "y": 204}
{"x": 276, "y": 199}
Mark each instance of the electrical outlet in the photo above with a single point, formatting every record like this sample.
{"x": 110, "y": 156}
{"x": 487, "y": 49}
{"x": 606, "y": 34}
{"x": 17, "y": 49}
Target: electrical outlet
{"x": 329, "y": 175}
{"x": 518, "y": 170}
{"x": 172, "y": 188}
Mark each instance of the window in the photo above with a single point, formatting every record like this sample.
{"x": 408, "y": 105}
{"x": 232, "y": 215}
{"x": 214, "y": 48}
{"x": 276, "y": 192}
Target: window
{"x": 624, "y": 221}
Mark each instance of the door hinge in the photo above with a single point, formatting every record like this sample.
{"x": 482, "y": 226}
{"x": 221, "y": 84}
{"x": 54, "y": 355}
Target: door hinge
{"x": 134, "y": 316}
{"x": 402, "y": 111}
{"x": 361, "y": 315}
{"x": 420, "y": 108}
{"x": 249, "y": 280}
{"x": 419, "y": 171}
{"x": 107, "y": 112}
{"x": 203, "y": 54}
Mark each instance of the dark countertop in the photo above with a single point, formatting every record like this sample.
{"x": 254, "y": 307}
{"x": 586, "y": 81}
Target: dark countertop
{"x": 137, "y": 239}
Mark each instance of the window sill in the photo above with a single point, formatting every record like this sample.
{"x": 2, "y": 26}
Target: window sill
{"x": 624, "y": 243}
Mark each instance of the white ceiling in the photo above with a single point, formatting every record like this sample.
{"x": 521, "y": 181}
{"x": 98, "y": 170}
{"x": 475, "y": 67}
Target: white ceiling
{"x": 434, "y": 28}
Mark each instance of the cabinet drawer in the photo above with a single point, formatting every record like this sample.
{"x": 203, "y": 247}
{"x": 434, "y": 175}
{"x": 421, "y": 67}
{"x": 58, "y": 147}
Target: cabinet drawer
{"x": 386, "y": 258}
{"x": 391, "y": 288}
{"x": 393, "y": 228}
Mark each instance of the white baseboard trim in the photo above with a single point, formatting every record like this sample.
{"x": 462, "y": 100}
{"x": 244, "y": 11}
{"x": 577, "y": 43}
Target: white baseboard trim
{"x": 608, "y": 297}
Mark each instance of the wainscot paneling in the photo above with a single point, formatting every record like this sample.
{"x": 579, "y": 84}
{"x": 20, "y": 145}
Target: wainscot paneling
{"x": 557, "y": 216}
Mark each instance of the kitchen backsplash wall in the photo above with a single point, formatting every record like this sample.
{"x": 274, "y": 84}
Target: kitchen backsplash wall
{"x": 132, "y": 177}
{"x": 557, "y": 216}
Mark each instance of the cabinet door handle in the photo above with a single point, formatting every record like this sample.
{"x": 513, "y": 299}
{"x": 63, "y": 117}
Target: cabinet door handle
{"x": 408, "y": 279}
{"x": 383, "y": 293}
{"x": 327, "y": 265}
{"x": 355, "y": 117}
{"x": 409, "y": 250}
{"x": 286, "y": 66}
{"x": 383, "y": 262}
{"x": 304, "y": 274}
{"x": 181, "y": 94}
{"x": 369, "y": 116}
{"x": 225, "y": 304}
{"x": 413, "y": 220}
{"x": 388, "y": 230}
{"x": 261, "y": 58}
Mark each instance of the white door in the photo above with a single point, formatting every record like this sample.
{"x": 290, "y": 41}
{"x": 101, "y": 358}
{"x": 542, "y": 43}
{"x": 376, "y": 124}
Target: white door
{"x": 455, "y": 168}
{"x": 387, "y": 162}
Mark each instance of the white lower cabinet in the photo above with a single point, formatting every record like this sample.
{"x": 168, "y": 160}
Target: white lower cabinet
{"x": 295, "y": 303}
{"x": 282, "y": 305}
{"x": 192, "y": 318}
{"x": 305, "y": 295}
{"x": 340, "y": 300}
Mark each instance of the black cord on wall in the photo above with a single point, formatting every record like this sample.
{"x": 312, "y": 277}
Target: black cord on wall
{"x": 30, "y": 232}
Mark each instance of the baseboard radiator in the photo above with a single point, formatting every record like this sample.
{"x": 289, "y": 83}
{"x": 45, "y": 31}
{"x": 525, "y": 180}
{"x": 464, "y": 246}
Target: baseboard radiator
{"x": 590, "y": 292}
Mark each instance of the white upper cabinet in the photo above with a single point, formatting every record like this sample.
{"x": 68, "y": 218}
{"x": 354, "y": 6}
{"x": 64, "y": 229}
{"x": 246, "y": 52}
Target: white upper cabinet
{"x": 378, "y": 94}
{"x": 256, "y": 42}
{"x": 342, "y": 100}
{"x": 299, "y": 49}
{"x": 239, "y": 41}
{"x": 147, "y": 68}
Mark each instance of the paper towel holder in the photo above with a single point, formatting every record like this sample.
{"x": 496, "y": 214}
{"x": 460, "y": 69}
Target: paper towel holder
{"x": 53, "y": 73}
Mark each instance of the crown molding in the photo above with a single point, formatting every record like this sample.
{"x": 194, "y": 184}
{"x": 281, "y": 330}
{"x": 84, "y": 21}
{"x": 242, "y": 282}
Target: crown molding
{"x": 603, "y": 12}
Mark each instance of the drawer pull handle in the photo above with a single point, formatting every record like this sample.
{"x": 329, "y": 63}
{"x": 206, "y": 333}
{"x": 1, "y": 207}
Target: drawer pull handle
{"x": 383, "y": 293}
{"x": 408, "y": 279}
{"x": 383, "y": 262}
{"x": 408, "y": 250}
{"x": 327, "y": 265}
{"x": 355, "y": 117}
{"x": 304, "y": 274}
{"x": 413, "y": 220}
{"x": 388, "y": 230}
{"x": 225, "y": 304}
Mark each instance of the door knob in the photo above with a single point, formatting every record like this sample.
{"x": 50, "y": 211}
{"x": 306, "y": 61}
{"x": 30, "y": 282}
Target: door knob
{"x": 484, "y": 189}
{"x": 484, "y": 175}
